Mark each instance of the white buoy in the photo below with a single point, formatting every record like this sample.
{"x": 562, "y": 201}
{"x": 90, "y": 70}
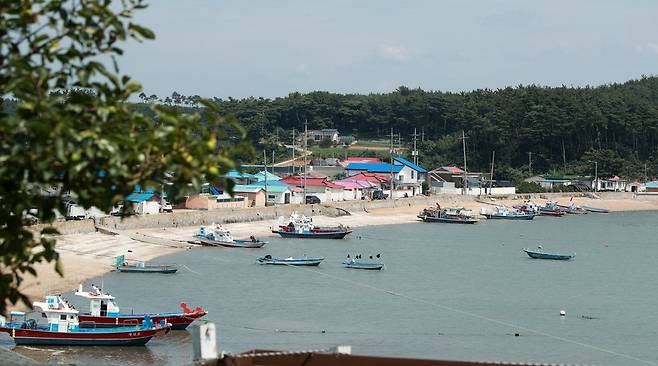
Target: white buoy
{"x": 563, "y": 313}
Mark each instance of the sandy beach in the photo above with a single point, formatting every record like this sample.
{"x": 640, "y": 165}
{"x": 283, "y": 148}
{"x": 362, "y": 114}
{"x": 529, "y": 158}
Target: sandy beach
{"x": 90, "y": 255}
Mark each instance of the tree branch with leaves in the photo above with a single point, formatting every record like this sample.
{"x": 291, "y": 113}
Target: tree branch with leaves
{"x": 73, "y": 129}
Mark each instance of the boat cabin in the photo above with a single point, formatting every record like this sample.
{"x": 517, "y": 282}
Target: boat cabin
{"x": 296, "y": 223}
{"x": 100, "y": 304}
{"x": 60, "y": 315}
{"x": 215, "y": 232}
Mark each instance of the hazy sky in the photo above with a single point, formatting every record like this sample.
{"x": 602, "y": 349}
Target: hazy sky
{"x": 270, "y": 48}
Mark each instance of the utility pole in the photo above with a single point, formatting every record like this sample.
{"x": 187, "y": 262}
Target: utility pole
{"x": 465, "y": 189}
{"x": 391, "y": 168}
{"x": 493, "y": 158}
{"x": 596, "y": 176}
{"x": 265, "y": 173}
{"x": 294, "y": 147}
{"x": 422, "y": 134}
{"x": 304, "y": 158}
{"x": 646, "y": 178}
{"x": 415, "y": 152}
{"x": 530, "y": 163}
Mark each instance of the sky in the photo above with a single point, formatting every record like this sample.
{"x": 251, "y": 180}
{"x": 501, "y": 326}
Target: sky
{"x": 270, "y": 48}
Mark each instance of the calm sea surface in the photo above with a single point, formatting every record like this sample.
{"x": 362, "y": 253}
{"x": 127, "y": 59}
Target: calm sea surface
{"x": 447, "y": 292}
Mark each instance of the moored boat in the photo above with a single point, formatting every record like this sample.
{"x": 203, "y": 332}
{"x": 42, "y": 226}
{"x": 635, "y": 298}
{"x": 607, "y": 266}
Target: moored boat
{"x": 104, "y": 313}
{"x": 551, "y": 209}
{"x": 124, "y": 265}
{"x": 217, "y": 235}
{"x": 540, "y": 254}
{"x": 527, "y": 207}
{"x": 63, "y": 328}
{"x": 595, "y": 209}
{"x": 503, "y": 213}
{"x": 447, "y": 215}
{"x": 573, "y": 209}
{"x": 290, "y": 261}
{"x": 301, "y": 226}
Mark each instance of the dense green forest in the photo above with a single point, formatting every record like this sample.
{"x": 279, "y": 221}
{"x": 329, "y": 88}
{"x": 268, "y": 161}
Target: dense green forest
{"x": 562, "y": 130}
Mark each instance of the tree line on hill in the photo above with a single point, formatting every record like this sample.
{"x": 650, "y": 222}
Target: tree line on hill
{"x": 532, "y": 129}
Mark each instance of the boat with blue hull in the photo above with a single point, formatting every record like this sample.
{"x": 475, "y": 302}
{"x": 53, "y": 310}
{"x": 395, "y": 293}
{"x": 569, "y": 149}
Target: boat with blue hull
{"x": 217, "y": 235}
{"x": 503, "y": 213}
{"x": 132, "y": 266}
{"x": 290, "y": 261}
{"x": 300, "y": 226}
{"x": 104, "y": 313}
{"x": 367, "y": 265}
{"x": 540, "y": 254}
{"x": 63, "y": 328}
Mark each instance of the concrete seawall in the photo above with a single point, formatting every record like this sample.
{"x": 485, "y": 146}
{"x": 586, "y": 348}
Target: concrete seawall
{"x": 192, "y": 218}
{"x": 182, "y": 218}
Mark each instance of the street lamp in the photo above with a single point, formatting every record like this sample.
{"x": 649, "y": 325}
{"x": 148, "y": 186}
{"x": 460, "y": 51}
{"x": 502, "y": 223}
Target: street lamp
{"x": 596, "y": 174}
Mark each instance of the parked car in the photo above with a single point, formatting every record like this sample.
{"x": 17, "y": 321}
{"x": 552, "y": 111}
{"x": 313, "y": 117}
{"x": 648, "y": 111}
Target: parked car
{"x": 166, "y": 207}
{"x": 379, "y": 195}
{"x": 312, "y": 200}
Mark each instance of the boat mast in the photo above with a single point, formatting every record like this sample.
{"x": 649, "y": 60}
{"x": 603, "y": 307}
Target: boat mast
{"x": 493, "y": 158}
{"x": 305, "y": 146}
{"x": 464, "y": 148}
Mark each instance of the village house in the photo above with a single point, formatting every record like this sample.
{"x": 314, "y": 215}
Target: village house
{"x": 318, "y": 135}
{"x": 321, "y": 188}
{"x": 211, "y": 202}
{"x": 253, "y": 194}
{"x": 144, "y": 202}
{"x": 406, "y": 177}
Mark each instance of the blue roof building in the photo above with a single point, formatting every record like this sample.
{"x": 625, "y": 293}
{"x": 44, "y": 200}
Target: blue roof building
{"x": 401, "y": 161}
{"x": 374, "y": 168}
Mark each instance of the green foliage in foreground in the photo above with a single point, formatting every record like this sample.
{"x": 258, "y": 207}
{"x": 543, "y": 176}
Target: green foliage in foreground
{"x": 88, "y": 142}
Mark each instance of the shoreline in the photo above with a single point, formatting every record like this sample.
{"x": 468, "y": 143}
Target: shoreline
{"x": 88, "y": 255}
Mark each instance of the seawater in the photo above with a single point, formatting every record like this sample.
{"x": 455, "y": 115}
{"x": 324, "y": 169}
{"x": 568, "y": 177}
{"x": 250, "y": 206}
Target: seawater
{"x": 447, "y": 292}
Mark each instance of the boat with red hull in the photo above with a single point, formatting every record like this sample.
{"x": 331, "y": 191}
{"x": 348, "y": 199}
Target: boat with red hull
{"x": 300, "y": 226}
{"x": 104, "y": 313}
{"x": 63, "y": 328}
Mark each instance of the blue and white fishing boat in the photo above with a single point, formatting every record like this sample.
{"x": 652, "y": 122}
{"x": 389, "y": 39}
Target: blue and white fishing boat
{"x": 290, "y": 261}
{"x": 63, "y": 328}
{"x": 504, "y": 213}
{"x": 540, "y": 254}
{"x": 217, "y": 235}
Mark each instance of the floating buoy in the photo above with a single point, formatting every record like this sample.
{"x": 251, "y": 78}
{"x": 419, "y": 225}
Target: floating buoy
{"x": 563, "y": 313}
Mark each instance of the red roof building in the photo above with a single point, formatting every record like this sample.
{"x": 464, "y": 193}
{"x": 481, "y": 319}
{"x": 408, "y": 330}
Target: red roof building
{"x": 356, "y": 159}
{"x": 296, "y": 180}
